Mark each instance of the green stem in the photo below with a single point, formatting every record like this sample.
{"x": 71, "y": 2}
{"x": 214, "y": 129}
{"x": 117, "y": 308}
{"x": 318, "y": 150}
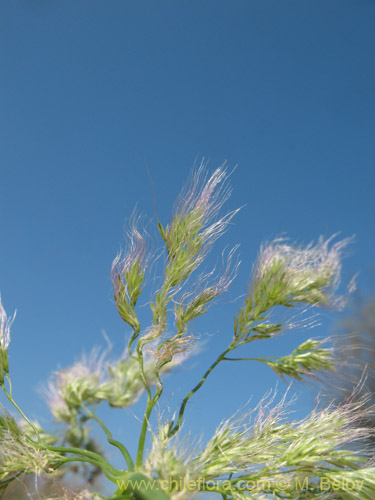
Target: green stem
{"x": 133, "y": 338}
{"x": 58, "y": 449}
{"x": 222, "y": 357}
{"x": 104, "y": 464}
{"x": 113, "y": 442}
{"x": 149, "y": 408}
{"x": 86, "y": 460}
{"x": 195, "y": 389}
{"x": 5, "y": 482}
{"x": 99, "y": 460}
{"x": 65, "y": 460}
{"x": 142, "y": 438}
{"x": 246, "y": 359}
{"x": 151, "y": 401}
{"x": 10, "y": 398}
{"x": 141, "y": 366}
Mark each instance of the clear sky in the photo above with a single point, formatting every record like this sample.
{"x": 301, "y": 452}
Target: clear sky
{"x": 97, "y": 97}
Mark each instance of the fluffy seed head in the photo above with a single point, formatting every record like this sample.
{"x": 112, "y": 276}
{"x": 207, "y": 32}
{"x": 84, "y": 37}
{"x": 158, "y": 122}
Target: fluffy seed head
{"x": 310, "y": 274}
{"x": 127, "y": 273}
{"x": 5, "y": 324}
{"x": 136, "y": 252}
{"x": 196, "y": 302}
{"x": 18, "y": 454}
{"x": 270, "y": 443}
{"x": 308, "y": 360}
{"x": 95, "y": 379}
{"x": 203, "y": 196}
{"x": 74, "y": 385}
{"x": 195, "y": 225}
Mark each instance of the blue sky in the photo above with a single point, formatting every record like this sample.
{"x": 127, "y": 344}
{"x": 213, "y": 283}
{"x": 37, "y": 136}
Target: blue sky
{"x": 98, "y": 97}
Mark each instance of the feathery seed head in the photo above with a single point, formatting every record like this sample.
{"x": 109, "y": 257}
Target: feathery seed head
{"x": 286, "y": 274}
{"x": 18, "y": 455}
{"x": 187, "y": 310}
{"x": 5, "y": 324}
{"x": 93, "y": 380}
{"x": 271, "y": 445}
{"x": 72, "y": 386}
{"x": 123, "y": 385}
{"x": 172, "y": 460}
{"x": 203, "y": 196}
{"x": 127, "y": 273}
{"x": 195, "y": 225}
{"x": 305, "y": 361}
{"x": 168, "y": 350}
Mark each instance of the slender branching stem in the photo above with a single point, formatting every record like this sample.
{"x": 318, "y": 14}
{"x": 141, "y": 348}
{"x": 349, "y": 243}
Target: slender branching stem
{"x": 133, "y": 338}
{"x": 245, "y": 359}
{"x": 10, "y": 398}
{"x": 125, "y": 453}
{"x": 195, "y": 389}
{"x": 58, "y": 449}
{"x": 142, "y": 438}
{"x": 65, "y": 460}
{"x": 102, "y": 462}
{"x": 150, "y": 405}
